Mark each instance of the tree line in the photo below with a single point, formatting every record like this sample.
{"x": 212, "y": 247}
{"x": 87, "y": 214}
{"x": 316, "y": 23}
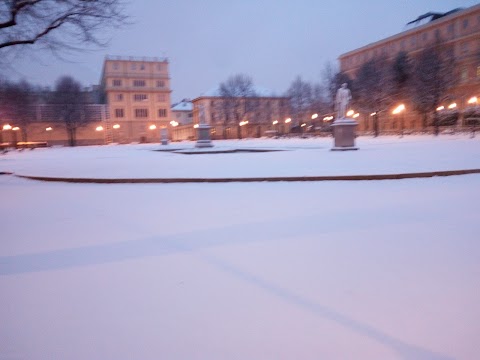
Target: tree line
{"x": 67, "y": 104}
{"x": 423, "y": 81}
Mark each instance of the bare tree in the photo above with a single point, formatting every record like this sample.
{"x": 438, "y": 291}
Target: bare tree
{"x": 57, "y": 24}
{"x": 18, "y": 103}
{"x": 68, "y": 106}
{"x": 373, "y": 88}
{"x": 238, "y": 100}
{"x": 433, "y": 76}
{"x": 301, "y": 99}
{"x": 402, "y": 69}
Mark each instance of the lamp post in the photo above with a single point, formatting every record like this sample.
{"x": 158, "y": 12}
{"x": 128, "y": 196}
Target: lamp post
{"x": 400, "y": 109}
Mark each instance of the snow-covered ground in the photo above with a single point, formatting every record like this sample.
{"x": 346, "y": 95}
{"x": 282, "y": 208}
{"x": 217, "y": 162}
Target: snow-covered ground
{"x": 311, "y": 270}
{"x": 302, "y": 157}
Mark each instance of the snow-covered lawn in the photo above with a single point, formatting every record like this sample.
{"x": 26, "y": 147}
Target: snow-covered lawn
{"x": 301, "y": 157}
{"x": 313, "y": 270}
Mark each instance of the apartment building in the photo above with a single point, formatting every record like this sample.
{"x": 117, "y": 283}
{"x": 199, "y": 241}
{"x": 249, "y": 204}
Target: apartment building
{"x": 459, "y": 28}
{"x": 242, "y": 117}
{"x": 137, "y": 93}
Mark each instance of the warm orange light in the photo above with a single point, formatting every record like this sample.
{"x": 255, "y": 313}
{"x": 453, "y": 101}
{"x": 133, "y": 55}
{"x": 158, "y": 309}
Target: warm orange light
{"x": 99, "y": 128}
{"x": 452, "y": 106}
{"x": 303, "y": 125}
{"x": 7, "y": 127}
{"x": 243, "y": 123}
{"x": 275, "y": 122}
{"x": 152, "y": 127}
{"x": 440, "y": 108}
{"x": 16, "y": 128}
{"x": 373, "y": 113}
{"x": 314, "y": 116}
{"x": 49, "y": 128}
{"x": 350, "y": 112}
{"x": 473, "y": 100}
{"x": 398, "y": 109}
{"x": 356, "y": 115}
{"x": 288, "y": 120}
{"x": 116, "y": 126}
{"x": 195, "y": 126}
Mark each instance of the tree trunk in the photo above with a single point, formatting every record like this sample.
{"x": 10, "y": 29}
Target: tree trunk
{"x": 375, "y": 125}
{"x": 72, "y": 141}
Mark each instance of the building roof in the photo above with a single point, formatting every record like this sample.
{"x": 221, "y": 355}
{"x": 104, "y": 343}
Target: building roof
{"x": 184, "y": 105}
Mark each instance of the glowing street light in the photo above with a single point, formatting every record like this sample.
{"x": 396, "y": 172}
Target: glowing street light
{"x": 373, "y": 113}
{"x": 303, "y": 125}
{"x": 314, "y": 116}
{"x": 452, "y": 106}
{"x": 174, "y": 123}
{"x": 400, "y": 110}
{"x": 116, "y": 126}
{"x": 99, "y": 128}
{"x": 49, "y": 128}
{"x": 350, "y": 112}
{"x": 288, "y": 120}
{"x": 243, "y": 123}
{"x": 356, "y": 115}
{"x": 152, "y": 127}
{"x": 275, "y": 122}
{"x": 7, "y": 127}
{"x": 195, "y": 126}
{"x": 473, "y": 100}
{"x": 440, "y": 108}
{"x": 16, "y": 128}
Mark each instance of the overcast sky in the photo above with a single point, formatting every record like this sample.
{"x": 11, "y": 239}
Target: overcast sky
{"x": 206, "y": 41}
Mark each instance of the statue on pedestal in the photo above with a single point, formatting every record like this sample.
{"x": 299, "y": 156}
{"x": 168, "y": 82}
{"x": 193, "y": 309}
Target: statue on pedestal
{"x": 342, "y": 100}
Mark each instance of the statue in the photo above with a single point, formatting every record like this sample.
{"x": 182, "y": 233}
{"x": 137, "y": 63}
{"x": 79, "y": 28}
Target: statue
{"x": 341, "y": 101}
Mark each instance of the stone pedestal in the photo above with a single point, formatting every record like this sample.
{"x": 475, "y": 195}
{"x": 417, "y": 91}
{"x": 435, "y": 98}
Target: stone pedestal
{"x": 344, "y": 134}
{"x": 164, "y": 136}
{"x": 203, "y": 136}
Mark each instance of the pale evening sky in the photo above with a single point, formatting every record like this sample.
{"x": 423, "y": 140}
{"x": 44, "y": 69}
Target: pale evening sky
{"x": 206, "y": 41}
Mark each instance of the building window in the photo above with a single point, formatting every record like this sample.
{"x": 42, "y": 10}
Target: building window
{"x": 117, "y": 82}
{"x": 139, "y": 83}
{"x": 464, "y": 48}
{"x": 141, "y": 113}
{"x": 162, "y": 113}
{"x": 140, "y": 97}
{"x": 115, "y": 66}
{"x": 119, "y": 113}
{"x": 133, "y": 66}
{"x": 161, "y": 97}
{"x": 118, "y": 97}
{"x": 450, "y": 28}
{"x": 142, "y": 66}
{"x": 464, "y": 75}
{"x": 160, "y": 83}
{"x": 465, "y": 23}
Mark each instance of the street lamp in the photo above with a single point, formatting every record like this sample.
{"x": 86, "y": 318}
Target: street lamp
{"x": 350, "y": 112}
{"x": 400, "y": 110}
{"x": 152, "y": 127}
{"x": 473, "y": 100}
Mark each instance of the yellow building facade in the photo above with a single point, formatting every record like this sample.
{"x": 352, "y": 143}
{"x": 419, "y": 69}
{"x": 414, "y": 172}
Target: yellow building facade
{"x": 137, "y": 93}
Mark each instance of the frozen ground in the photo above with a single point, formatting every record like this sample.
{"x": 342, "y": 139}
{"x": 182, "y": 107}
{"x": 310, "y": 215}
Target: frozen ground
{"x": 316, "y": 270}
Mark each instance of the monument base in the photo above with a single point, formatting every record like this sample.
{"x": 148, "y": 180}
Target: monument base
{"x": 344, "y": 134}
{"x": 204, "y": 140}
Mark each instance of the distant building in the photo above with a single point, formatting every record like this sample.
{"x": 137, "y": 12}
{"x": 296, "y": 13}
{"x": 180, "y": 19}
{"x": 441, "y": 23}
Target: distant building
{"x": 261, "y": 114}
{"x": 181, "y": 125}
{"x": 137, "y": 93}
{"x": 459, "y": 28}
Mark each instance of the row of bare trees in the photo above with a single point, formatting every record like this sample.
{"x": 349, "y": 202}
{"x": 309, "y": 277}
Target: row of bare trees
{"x": 21, "y": 103}
{"x": 423, "y": 81}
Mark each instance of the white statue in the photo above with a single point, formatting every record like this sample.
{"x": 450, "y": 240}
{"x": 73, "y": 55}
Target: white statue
{"x": 341, "y": 101}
